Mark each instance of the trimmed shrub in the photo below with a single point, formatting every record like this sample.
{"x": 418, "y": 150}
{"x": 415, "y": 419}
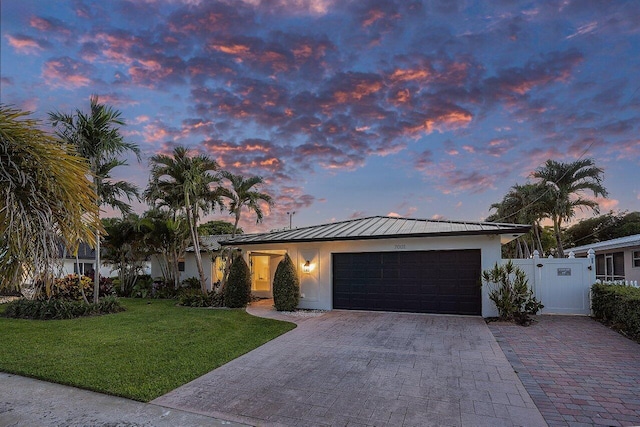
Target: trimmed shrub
{"x": 191, "y": 283}
{"x": 60, "y": 308}
{"x": 509, "y": 291}
{"x": 286, "y": 286}
{"x": 237, "y": 292}
{"x": 619, "y": 305}
{"x": 195, "y": 298}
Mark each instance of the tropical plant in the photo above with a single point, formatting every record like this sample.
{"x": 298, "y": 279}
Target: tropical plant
{"x": 188, "y": 184}
{"x": 97, "y": 137}
{"x": 60, "y": 308}
{"x": 46, "y": 198}
{"x": 167, "y": 240}
{"x": 217, "y": 227}
{"x": 604, "y": 227}
{"x": 524, "y": 204}
{"x": 510, "y": 292}
{"x": 243, "y": 194}
{"x": 566, "y": 184}
{"x": 237, "y": 291}
{"x": 286, "y": 286}
{"x": 126, "y": 249}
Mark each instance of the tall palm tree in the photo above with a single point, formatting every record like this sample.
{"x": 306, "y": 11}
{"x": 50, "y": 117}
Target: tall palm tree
{"x": 185, "y": 183}
{"x": 97, "y": 138}
{"x": 524, "y": 204}
{"x": 243, "y": 194}
{"x": 566, "y": 184}
{"x": 45, "y": 197}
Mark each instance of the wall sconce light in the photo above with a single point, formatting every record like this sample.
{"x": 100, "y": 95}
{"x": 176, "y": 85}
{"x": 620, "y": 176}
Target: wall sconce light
{"x": 306, "y": 267}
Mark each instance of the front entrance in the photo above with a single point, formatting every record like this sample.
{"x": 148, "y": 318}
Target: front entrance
{"x": 263, "y": 267}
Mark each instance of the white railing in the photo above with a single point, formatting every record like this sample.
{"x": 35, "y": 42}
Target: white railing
{"x": 631, "y": 283}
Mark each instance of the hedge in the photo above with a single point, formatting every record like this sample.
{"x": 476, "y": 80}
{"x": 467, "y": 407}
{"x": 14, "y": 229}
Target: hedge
{"x": 619, "y": 305}
{"x": 60, "y": 308}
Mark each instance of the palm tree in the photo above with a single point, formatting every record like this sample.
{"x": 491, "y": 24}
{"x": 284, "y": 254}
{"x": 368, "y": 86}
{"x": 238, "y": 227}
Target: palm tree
{"x": 125, "y": 247}
{"x": 243, "y": 195}
{"x": 566, "y": 184}
{"x": 168, "y": 238}
{"x": 46, "y": 197}
{"x": 185, "y": 183}
{"x": 97, "y": 138}
{"x": 524, "y": 204}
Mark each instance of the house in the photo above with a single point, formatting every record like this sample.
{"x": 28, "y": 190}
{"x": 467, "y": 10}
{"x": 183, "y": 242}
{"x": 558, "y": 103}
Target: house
{"x": 384, "y": 263}
{"x": 616, "y": 259}
{"x": 84, "y": 263}
{"x": 211, "y": 261}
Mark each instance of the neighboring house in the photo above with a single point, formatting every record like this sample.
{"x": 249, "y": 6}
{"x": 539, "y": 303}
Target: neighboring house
{"x": 384, "y": 263}
{"x": 616, "y": 259}
{"x": 84, "y": 263}
{"x": 211, "y": 261}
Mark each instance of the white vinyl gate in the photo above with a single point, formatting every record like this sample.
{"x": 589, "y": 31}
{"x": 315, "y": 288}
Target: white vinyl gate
{"x": 563, "y": 285}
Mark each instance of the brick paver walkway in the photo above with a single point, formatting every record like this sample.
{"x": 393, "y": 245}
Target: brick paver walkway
{"x": 578, "y": 372}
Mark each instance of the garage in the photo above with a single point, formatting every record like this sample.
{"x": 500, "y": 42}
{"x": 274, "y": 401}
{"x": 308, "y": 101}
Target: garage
{"x": 444, "y": 282}
{"x": 387, "y": 263}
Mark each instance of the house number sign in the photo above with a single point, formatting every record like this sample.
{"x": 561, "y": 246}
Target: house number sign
{"x": 400, "y": 246}
{"x": 564, "y": 272}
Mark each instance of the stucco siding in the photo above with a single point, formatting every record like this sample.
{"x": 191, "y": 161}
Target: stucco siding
{"x": 316, "y": 286}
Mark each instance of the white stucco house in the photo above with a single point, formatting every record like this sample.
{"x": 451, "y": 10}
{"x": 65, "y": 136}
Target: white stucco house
{"x": 616, "y": 259}
{"x": 211, "y": 261}
{"x": 84, "y": 263}
{"x": 384, "y": 263}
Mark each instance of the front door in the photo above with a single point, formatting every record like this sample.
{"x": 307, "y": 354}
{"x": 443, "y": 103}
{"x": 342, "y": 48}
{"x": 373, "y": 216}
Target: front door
{"x": 261, "y": 275}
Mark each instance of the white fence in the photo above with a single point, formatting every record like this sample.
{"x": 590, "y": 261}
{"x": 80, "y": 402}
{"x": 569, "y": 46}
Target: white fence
{"x": 563, "y": 285}
{"x": 632, "y": 283}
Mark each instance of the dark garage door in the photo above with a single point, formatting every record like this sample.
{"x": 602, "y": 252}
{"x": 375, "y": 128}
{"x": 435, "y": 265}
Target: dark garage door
{"x": 421, "y": 281}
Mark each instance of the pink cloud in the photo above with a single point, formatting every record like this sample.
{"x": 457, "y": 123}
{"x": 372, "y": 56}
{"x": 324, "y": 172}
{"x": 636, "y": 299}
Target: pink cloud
{"x": 49, "y": 25}
{"x": 67, "y": 72}
{"x": 26, "y": 45}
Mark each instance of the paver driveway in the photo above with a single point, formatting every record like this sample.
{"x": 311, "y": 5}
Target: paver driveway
{"x": 368, "y": 369}
{"x": 578, "y": 372}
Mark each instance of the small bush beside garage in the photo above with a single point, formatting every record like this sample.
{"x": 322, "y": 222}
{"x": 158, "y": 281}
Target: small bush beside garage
{"x": 618, "y": 305}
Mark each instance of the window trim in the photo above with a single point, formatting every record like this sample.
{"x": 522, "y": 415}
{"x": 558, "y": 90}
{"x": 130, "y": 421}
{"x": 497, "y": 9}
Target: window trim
{"x": 635, "y": 259}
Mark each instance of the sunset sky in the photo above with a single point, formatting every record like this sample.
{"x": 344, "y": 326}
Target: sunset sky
{"x": 348, "y": 108}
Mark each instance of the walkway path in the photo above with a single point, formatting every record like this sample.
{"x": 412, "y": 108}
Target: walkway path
{"x": 26, "y": 402}
{"x": 578, "y": 372}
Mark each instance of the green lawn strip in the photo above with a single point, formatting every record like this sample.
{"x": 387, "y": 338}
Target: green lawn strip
{"x": 140, "y": 354}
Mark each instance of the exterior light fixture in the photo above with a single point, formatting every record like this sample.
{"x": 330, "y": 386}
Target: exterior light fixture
{"x": 306, "y": 267}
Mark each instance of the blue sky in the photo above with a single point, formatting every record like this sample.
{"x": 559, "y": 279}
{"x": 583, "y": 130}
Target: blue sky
{"x": 427, "y": 109}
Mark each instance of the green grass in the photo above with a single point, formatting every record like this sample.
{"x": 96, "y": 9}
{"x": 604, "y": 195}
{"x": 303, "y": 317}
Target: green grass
{"x": 140, "y": 354}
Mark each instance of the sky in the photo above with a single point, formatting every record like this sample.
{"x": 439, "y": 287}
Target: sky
{"x": 422, "y": 109}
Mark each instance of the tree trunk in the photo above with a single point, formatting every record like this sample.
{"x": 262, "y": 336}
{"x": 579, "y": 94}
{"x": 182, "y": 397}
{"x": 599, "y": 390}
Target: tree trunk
{"x": 96, "y": 271}
{"x": 556, "y": 232}
{"x": 536, "y": 229}
{"x": 84, "y": 297}
{"x": 122, "y": 275}
{"x": 235, "y": 225}
{"x": 193, "y": 226}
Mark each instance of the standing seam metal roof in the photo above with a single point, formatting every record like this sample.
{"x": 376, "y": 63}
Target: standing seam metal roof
{"x": 378, "y": 227}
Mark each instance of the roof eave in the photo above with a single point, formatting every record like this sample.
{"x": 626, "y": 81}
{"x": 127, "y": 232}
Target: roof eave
{"x": 514, "y": 233}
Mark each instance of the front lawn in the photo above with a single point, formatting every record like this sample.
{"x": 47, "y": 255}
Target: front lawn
{"x": 141, "y": 353}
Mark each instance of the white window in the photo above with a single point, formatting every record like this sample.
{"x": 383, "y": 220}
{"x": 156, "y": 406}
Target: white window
{"x": 636, "y": 258}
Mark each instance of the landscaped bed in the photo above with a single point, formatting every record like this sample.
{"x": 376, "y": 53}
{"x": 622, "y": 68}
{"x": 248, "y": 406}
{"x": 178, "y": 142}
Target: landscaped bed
{"x": 142, "y": 353}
